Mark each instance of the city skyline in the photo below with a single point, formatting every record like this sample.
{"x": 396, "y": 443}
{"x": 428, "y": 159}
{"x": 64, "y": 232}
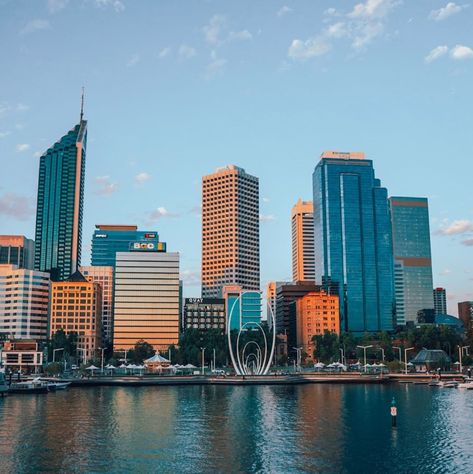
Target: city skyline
{"x": 161, "y": 189}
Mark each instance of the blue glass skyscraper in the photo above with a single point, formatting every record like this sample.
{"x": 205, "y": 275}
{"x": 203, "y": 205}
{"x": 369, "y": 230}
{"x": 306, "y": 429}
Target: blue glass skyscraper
{"x": 411, "y": 246}
{"x": 110, "y": 239}
{"x": 60, "y": 204}
{"x": 353, "y": 241}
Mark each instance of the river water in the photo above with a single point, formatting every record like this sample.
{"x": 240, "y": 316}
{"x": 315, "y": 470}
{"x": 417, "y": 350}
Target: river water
{"x": 277, "y": 429}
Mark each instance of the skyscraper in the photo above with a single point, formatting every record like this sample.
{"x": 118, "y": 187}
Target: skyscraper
{"x": 440, "y": 301}
{"x": 147, "y": 298}
{"x": 302, "y": 221}
{"x": 353, "y": 242}
{"x": 230, "y": 231}
{"x": 60, "y": 204}
{"x": 110, "y": 239}
{"x": 17, "y": 250}
{"x": 411, "y": 247}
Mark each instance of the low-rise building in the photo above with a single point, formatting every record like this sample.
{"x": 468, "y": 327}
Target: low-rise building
{"x": 204, "y": 314}
{"x": 23, "y": 355}
{"x": 242, "y": 306}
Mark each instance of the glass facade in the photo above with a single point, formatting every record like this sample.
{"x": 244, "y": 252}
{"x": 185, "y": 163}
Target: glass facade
{"x": 353, "y": 241}
{"x": 17, "y": 250}
{"x": 204, "y": 314}
{"x": 411, "y": 247}
{"x": 60, "y": 205}
{"x": 108, "y": 240}
{"x": 245, "y": 307}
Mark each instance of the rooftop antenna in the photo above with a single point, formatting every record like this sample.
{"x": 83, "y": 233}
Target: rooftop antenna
{"x": 82, "y": 105}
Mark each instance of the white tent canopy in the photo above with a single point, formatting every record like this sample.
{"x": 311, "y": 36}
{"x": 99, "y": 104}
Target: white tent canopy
{"x": 92, "y": 367}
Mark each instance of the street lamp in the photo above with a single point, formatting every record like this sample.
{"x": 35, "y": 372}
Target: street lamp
{"x": 84, "y": 358}
{"x": 405, "y": 355}
{"x": 203, "y": 352}
{"x": 382, "y": 352}
{"x": 102, "y": 349}
{"x": 54, "y": 353}
{"x": 460, "y": 354}
{"x": 342, "y": 353}
{"x": 364, "y": 351}
{"x": 298, "y": 356}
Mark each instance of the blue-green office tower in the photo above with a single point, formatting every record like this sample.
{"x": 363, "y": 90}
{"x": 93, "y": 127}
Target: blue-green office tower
{"x": 60, "y": 204}
{"x": 353, "y": 240}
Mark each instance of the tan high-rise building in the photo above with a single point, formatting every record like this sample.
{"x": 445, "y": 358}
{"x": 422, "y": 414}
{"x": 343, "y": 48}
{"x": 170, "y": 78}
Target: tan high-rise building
{"x": 103, "y": 275}
{"x": 76, "y": 306}
{"x": 230, "y": 231}
{"x": 303, "y": 258}
{"x": 316, "y": 313}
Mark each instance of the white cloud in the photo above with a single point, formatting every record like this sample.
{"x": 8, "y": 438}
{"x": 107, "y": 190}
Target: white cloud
{"x": 56, "y": 5}
{"x": 213, "y": 29}
{"x": 284, "y": 10}
{"x": 35, "y": 25}
{"x": 164, "y": 52}
{"x": 364, "y": 33}
{"x": 303, "y": 50}
{"x": 337, "y": 30}
{"x": 243, "y": 35}
{"x": 142, "y": 178}
{"x": 461, "y": 52}
{"x": 134, "y": 60}
{"x": 267, "y": 218}
{"x": 186, "y": 52}
{"x": 160, "y": 212}
{"x": 18, "y": 207}
{"x": 5, "y": 134}
{"x": 22, "y": 147}
{"x": 106, "y": 187}
{"x": 215, "y": 66}
{"x": 22, "y": 107}
{"x": 468, "y": 242}
{"x": 436, "y": 53}
{"x": 190, "y": 277}
{"x": 37, "y": 154}
{"x": 456, "y": 227}
{"x": 373, "y": 9}
{"x": 331, "y": 12}
{"x": 448, "y": 10}
{"x": 265, "y": 199}
{"x": 117, "y": 5}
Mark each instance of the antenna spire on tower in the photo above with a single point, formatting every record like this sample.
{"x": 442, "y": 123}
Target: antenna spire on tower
{"x": 82, "y": 105}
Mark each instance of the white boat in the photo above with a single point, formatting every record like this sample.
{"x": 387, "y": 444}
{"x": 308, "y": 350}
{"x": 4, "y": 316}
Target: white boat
{"x": 53, "y": 386}
{"x": 468, "y": 384}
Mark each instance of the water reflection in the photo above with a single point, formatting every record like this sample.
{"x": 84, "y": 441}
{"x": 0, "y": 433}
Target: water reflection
{"x": 313, "y": 428}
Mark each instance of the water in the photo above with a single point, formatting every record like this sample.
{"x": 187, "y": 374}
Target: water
{"x": 277, "y": 429}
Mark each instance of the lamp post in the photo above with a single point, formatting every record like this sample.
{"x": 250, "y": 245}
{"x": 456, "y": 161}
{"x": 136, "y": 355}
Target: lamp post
{"x": 203, "y": 352}
{"x": 364, "y": 351}
{"x": 54, "y": 353}
{"x": 83, "y": 356}
{"x": 298, "y": 356}
{"x": 169, "y": 355}
{"x": 405, "y": 355}
{"x": 382, "y": 353}
{"x": 342, "y": 354}
{"x": 214, "y": 358}
{"x": 102, "y": 349}
{"x": 460, "y": 355}
{"x": 399, "y": 349}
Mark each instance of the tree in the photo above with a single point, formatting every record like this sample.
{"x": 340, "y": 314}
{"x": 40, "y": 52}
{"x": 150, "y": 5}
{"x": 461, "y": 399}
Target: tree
{"x": 61, "y": 340}
{"x": 143, "y": 350}
{"x": 327, "y": 347}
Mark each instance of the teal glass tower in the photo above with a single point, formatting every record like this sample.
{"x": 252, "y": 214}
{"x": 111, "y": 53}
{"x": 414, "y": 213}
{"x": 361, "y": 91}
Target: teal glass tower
{"x": 353, "y": 240}
{"x": 60, "y": 204}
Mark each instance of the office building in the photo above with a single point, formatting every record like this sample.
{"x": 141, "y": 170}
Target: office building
{"x": 316, "y": 313}
{"x": 353, "y": 241}
{"x": 22, "y": 355}
{"x": 230, "y": 231}
{"x": 17, "y": 250}
{"x": 411, "y": 246}
{"x": 103, "y": 275}
{"x": 110, "y": 239}
{"x": 204, "y": 314}
{"x": 60, "y": 205}
{"x": 271, "y": 297}
{"x": 147, "y": 298}
{"x": 24, "y": 300}
{"x": 76, "y": 306}
{"x": 242, "y": 306}
{"x": 465, "y": 313}
{"x": 440, "y": 301}
{"x": 399, "y": 293}
{"x": 303, "y": 256}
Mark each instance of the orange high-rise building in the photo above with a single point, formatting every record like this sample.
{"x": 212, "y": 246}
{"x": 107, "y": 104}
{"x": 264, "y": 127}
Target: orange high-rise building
{"x": 303, "y": 257}
{"x": 230, "y": 231}
{"x": 76, "y": 306}
{"x": 316, "y": 313}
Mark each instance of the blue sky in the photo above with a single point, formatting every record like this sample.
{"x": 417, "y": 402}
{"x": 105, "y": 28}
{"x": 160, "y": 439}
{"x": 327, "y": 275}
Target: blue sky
{"x": 176, "y": 89}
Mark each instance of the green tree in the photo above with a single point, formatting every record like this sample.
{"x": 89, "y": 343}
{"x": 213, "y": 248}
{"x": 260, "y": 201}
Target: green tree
{"x": 327, "y": 347}
{"x": 143, "y": 350}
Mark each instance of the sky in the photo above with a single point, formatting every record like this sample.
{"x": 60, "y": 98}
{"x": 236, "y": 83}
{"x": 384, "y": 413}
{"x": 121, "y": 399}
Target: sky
{"x": 176, "y": 89}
